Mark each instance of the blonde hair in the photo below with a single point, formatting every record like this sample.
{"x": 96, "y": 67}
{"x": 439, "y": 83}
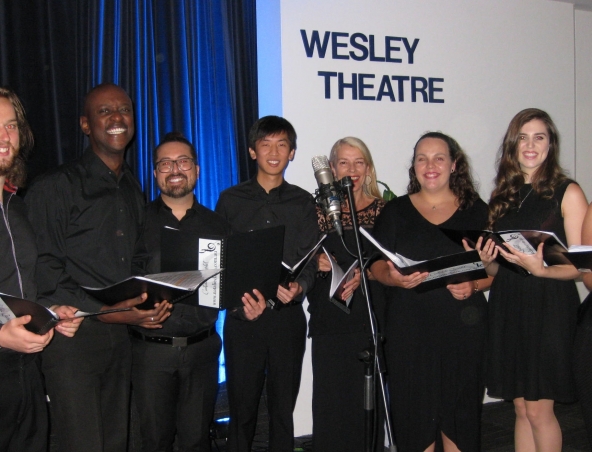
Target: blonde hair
{"x": 370, "y": 189}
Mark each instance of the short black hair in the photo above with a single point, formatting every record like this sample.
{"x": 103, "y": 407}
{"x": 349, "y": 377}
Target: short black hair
{"x": 271, "y": 125}
{"x": 175, "y": 137}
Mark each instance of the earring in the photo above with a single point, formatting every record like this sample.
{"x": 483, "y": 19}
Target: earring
{"x": 452, "y": 171}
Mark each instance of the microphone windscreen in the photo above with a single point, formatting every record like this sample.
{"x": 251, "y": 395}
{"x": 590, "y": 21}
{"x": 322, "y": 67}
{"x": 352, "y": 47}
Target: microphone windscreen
{"x": 320, "y": 162}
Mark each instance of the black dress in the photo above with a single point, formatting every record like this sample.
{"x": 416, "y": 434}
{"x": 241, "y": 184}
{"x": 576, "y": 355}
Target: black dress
{"x": 337, "y": 338}
{"x": 532, "y": 320}
{"x": 434, "y": 343}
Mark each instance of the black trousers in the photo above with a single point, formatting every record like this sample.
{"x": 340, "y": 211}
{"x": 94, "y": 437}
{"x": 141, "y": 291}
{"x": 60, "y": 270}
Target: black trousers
{"x": 175, "y": 389}
{"x": 273, "y": 347}
{"x": 88, "y": 383}
{"x": 23, "y": 410}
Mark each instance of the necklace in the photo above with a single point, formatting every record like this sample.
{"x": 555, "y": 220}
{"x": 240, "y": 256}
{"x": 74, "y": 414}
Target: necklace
{"x": 522, "y": 201}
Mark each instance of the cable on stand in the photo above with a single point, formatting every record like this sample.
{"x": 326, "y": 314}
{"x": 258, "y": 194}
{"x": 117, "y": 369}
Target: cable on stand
{"x": 374, "y": 367}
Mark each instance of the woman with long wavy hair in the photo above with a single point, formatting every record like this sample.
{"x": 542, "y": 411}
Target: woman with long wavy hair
{"x": 435, "y": 340}
{"x": 532, "y": 318}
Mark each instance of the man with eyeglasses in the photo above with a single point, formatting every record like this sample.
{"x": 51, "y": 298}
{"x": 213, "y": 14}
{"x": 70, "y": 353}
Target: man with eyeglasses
{"x": 175, "y": 369}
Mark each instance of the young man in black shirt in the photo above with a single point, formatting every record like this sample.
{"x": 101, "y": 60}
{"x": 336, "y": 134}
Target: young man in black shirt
{"x": 88, "y": 216}
{"x": 175, "y": 369}
{"x": 273, "y": 345}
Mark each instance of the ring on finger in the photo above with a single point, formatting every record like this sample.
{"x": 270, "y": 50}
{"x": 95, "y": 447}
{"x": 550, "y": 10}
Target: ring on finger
{"x": 152, "y": 319}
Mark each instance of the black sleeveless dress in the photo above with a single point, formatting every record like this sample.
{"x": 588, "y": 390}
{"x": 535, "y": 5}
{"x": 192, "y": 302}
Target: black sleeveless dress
{"x": 435, "y": 344}
{"x": 532, "y": 320}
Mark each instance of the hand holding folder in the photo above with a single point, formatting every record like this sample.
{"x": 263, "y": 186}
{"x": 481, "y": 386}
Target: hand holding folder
{"x": 339, "y": 280}
{"x": 42, "y": 319}
{"x": 251, "y": 260}
{"x": 444, "y": 270}
{"x": 526, "y": 243}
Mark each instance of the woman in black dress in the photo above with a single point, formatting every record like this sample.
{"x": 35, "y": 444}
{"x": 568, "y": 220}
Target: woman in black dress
{"x": 338, "y": 337}
{"x": 583, "y": 339}
{"x": 533, "y": 318}
{"x": 434, "y": 340}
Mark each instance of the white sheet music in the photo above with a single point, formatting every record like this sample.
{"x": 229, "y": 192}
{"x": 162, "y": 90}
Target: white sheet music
{"x": 339, "y": 278}
{"x": 6, "y": 314}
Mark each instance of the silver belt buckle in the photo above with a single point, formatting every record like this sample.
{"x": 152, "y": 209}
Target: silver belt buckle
{"x": 179, "y": 342}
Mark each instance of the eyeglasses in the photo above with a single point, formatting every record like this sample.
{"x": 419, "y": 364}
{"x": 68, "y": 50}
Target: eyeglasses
{"x": 166, "y": 166}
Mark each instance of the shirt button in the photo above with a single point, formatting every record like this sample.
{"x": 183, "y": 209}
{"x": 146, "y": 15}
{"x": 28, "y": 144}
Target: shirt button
{"x": 123, "y": 259}
{"x": 119, "y": 233}
{"x": 268, "y": 221}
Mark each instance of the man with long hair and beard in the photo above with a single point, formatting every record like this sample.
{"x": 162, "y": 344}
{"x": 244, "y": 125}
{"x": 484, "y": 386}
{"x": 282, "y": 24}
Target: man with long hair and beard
{"x": 23, "y": 417}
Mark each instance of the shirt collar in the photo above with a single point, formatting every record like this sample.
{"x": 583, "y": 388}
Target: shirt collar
{"x": 277, "y": 191}
{"x": 96, "y": 167}
{"x": 162, "y": 205}
{"x": 8, "y": 187}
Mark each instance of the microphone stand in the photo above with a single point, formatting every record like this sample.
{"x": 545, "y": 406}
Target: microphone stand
{"x": 370, "y": 357}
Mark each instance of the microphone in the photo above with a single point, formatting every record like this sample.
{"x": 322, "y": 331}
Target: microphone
{"x": 327, "y": 195}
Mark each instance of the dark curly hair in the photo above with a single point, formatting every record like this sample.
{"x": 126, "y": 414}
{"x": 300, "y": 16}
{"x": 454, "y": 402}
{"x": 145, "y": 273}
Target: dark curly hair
{"x": 510, "y": 178}
{"x": 17, "y": 174}
{"x": 461, "y": 181}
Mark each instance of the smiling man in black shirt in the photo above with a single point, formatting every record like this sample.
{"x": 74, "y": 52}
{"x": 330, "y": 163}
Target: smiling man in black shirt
{"x": 88, "y": 216}
{"x": 273, "y": 345}
{"x": 175, "y": 369}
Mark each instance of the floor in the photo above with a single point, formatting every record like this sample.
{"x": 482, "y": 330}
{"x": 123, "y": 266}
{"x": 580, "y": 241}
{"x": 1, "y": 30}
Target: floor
{"x": 497, "y": 428}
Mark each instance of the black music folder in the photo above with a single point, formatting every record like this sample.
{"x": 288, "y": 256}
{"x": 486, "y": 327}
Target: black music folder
{"x": 452, "y": 269}
{"x": 42, "y": 319}
{"x": 170, "y": 286}
{"x": 251, "y": 260}
{"x": 290, "y": 274}
{"x": 525, "y": 241}
{"x": 338, "y": 279}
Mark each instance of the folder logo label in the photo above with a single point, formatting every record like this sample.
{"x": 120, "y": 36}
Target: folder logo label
{"x": 209, "y": 258}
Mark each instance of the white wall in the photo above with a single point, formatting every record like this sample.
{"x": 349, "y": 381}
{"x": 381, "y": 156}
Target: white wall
{"x": 496, "y": 58}
{"x": 583, "y": 89}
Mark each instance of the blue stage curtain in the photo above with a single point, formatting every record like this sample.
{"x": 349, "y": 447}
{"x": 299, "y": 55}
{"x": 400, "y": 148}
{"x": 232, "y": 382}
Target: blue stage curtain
{"x": 170, "y": 56}
{"x": 188, "y": 65}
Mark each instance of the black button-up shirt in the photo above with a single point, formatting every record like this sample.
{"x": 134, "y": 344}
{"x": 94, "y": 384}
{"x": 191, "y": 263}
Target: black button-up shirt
{"x": 187, "y": 318}
{"x": 248, "y": 207}
{"x": 87, "y": 222}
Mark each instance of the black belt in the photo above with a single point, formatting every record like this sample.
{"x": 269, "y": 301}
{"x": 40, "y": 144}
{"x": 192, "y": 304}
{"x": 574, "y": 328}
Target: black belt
{"x": 174, "y": 341}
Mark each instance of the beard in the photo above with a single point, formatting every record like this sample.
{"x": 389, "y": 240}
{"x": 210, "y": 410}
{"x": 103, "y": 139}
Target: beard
{"x": 14, "y": 170}
{"x": 178, "y": 191}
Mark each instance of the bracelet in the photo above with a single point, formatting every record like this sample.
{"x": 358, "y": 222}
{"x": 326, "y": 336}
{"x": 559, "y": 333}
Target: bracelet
{"x": 476, "y": 289}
